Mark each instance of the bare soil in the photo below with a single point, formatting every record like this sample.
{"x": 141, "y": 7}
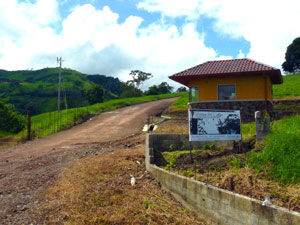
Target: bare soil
{"x": 28, "y": 170}
{"x": 98, "y": 190}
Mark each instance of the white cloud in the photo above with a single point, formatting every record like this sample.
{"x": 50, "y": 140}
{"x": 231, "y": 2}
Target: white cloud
{"x": 269, "y": 25}
{"x": 25, "y": 31}
{"x": 93, "y": 41}
{"x": 241, "y": 55}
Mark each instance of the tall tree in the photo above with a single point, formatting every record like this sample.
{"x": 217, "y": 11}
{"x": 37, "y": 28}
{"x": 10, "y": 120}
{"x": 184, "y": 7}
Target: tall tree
{"x": 138, "y": 77}
{"x": 292, "y": 57}
{"x": 95, "y": 94}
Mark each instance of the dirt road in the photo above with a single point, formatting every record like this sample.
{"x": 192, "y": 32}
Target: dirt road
{"x": 27, "y": 170}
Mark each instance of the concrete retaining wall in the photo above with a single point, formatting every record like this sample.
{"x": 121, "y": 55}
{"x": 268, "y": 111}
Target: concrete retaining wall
{"x": 215, "y": 205}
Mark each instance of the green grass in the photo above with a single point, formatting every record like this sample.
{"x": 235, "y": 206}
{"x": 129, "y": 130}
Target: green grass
{"x": 289, "y": 88}
{"x": 4, "y": 133}
{"x": 182, "y": 102}
{"x": 280, "y": 158}
{"x": 248, "y": 130}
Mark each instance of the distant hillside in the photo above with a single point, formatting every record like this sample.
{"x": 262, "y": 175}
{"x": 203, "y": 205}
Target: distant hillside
{"x": 38, "y": 89}
{"x": 290, "y": 88}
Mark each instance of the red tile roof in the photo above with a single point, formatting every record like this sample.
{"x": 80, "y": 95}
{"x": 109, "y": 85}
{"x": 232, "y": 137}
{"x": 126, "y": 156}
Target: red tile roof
{"x": 222, "y": 68}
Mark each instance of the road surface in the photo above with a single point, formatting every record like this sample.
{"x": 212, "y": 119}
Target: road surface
{"x": 28, "y": 170}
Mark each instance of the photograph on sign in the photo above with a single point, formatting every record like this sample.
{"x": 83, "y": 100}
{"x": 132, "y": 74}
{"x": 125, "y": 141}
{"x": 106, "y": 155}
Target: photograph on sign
{"x": 213, "y": 125}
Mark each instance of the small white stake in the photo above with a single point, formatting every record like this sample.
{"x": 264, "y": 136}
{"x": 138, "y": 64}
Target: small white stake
{"x": 267, "y": 200}
{"x": 132, "y": 180}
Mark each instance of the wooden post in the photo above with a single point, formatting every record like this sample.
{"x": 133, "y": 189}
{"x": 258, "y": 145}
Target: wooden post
{"x": 29, "y": 125}
{"x": 190, "y": 148}
{"x": 266, "y": 93}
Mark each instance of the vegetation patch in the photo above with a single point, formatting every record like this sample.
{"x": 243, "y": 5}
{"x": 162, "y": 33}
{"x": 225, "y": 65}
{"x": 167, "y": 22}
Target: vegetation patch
{"x": 10, "y": 120}
{"x": 289, "y": 89}
{"x": 280, "y": 158}
{"x": 269, "y": 167}
{"x": 178, "y": 107}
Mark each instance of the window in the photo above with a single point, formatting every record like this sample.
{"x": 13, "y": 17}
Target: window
{"x": 226, "y": 92}
{"x": 194, "y": 94}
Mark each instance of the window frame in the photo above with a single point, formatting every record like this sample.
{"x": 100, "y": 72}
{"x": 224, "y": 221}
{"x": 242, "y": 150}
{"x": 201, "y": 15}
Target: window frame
{"x": 226, "y": 85}
{"x": 190, "y": 94}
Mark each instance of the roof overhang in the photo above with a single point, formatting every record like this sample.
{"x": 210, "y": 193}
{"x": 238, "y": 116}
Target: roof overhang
{"x": 275, "y": 75}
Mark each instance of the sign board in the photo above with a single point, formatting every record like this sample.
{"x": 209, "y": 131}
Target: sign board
{"x": 214, "y": 125}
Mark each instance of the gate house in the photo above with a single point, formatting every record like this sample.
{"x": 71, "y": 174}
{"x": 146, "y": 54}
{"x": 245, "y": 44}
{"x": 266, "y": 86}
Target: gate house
{"x": 239, "y": 84}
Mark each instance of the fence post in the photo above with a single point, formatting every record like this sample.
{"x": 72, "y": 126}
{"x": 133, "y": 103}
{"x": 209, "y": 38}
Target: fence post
{"x": 262, "y": 126}
{"x": 29, "y": 125}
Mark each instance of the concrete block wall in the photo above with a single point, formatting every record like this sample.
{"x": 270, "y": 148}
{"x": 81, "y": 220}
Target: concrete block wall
{"x": 163, "y": 142}
{"x": 215, "y": 205}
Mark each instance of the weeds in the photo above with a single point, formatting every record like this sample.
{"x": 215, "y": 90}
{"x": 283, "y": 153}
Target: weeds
{"x": 187, "y": 173}
{"x": 280, "y": 157}
{"x": 211, "y": 146}
{"x": 172, "y": 147}
{"x": 147, "y": 204}
{"x": 172, "y": 163}
{"x": 237, "y": 163}
{"x": 184, "y": 145}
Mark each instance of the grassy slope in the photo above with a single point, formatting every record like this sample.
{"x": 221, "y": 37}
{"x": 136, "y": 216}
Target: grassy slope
{"x": 289, "y": 88}
{"x": 280, "y": 158}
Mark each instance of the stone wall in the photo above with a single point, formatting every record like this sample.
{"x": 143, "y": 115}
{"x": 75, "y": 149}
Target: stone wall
{"x": 215, "y": 205}
{"x": 247, "y": 107}
{"x": 285, "y": 108}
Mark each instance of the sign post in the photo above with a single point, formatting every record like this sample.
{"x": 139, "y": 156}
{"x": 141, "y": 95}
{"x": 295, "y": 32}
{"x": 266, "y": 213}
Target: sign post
{"x": 214, "y": 125}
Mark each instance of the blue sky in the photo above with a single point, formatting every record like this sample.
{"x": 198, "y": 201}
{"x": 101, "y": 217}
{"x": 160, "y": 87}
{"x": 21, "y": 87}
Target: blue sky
{"x": 162, "y": 37}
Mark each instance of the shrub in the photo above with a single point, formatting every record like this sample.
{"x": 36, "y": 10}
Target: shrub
{"x": 10, "y": 120}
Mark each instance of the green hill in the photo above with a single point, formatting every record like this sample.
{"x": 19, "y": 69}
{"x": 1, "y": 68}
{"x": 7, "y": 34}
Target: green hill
{"x": 38, "y": 89}
{"x": 290, "y": 88}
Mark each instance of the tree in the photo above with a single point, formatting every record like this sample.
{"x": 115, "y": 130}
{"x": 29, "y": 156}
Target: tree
{"x": 138, "y": 77}
{"x": 10, "y": 119}
{"x": 292, "y": 57}
{"x": 153, "y": 90}
{"x": 95, "y": 94}
{"x": 163, "y": 88}
{"x": 181, "y": 89}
